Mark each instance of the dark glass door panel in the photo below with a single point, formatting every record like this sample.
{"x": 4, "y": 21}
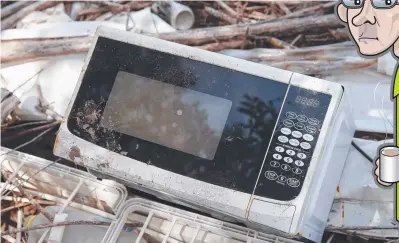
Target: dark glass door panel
{"x": 192, "y": 118}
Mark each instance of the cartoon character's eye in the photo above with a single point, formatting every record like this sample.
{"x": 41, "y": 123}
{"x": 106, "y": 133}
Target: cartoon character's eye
{"x": 383, "y": 3}
{"x": 355, "y": 3}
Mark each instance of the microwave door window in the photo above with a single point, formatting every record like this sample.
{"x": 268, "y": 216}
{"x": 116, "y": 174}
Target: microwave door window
{"x": 178, "y": 118}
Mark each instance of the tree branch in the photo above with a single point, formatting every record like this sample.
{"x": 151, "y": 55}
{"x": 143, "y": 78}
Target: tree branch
{"x": 37, "y": 6}
{"x": 36, "y": 204}
{"x": 220, "y": 15}
{"x": 14, "y": 7}
{"x": 276, "y": 29}
{"x": 23, "y": 50}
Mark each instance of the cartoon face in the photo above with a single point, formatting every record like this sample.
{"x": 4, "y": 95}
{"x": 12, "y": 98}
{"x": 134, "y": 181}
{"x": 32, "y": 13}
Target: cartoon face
{"x": 373, "y": 24}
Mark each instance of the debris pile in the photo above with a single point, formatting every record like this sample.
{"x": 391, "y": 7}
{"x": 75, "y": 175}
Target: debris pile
{"x": 305, "y": 37}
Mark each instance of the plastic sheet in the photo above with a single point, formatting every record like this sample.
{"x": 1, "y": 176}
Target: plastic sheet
{"x": 360, "y": 202}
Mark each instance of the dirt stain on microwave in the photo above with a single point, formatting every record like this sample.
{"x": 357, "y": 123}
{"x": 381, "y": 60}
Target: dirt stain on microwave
{"x": 88, "y": 120}
{"x": 74, "y": 153}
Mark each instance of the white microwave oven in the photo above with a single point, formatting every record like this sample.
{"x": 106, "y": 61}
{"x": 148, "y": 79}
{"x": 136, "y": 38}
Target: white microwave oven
{"x": 261, "y": 145}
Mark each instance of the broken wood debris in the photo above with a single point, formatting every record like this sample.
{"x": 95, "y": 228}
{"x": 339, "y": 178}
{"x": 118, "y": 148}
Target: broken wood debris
{"x": 13, "y": 18}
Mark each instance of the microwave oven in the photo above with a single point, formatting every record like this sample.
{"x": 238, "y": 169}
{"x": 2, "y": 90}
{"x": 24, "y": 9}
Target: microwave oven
{"x": 261, "y": 145}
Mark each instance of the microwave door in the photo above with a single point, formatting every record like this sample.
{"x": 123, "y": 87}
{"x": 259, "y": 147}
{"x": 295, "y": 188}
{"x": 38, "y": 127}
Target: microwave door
{"x": 188, "y": 117}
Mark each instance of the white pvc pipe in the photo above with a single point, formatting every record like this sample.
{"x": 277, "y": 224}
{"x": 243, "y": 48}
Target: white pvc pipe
{"x": 180, "y": 16}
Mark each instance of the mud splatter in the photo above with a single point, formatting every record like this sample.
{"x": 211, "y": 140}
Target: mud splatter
{"x": 103, "y": 165}
{"x": 342, "y": 206}
{"x": 74, "y": 153}
{"x": 88, "y": 115}
{"x": 88, "y": 119}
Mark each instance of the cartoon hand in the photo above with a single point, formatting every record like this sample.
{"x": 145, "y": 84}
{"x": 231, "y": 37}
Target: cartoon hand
{"x": 377, "y": 174}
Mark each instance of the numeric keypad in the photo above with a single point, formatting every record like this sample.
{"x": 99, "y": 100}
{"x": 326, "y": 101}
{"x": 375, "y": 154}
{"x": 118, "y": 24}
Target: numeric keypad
{"x": 296, "y": 133}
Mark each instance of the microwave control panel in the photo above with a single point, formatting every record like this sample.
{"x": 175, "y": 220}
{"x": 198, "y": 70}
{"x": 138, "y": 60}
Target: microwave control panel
{"x": 293, "y": 143}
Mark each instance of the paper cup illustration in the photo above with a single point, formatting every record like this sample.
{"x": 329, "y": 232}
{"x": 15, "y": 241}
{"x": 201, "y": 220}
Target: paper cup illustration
{"x": 389, "y": 164}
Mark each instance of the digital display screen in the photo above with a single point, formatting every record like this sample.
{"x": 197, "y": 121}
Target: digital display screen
{"x": 169, "y": 115}
{"x": 306, "y": 101}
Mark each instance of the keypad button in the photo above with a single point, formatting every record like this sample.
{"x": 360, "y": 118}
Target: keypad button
{"x": 294, "y": 142}
{"x": 277, "y": 156}
{"x": 313, "y": 121}
{"x": 297, "y": 171}
{"x": 271, "y": 175}
{"x": 282, "y": 178}
{"x": 279, "y": 149}
{"x": 299, "y": 126}
{"x": 274, "y": 163}
{"x": 308, "y": 137}
{"x": 288, "y": 159}
{"x": 301, "y": 155}
{"x": 310, "y": 129}
{"x": 302, "y": 118}
{"x": 290, "y": 152}
{"x": 285, "y": 131}
{"x": 288, "y": 123}
{"x": 282, "y": 139}
{"x": 299, "y": 163}
{"x": 305, "y": 145}
{"x": 285, "y": 167}
{"x": 293, "y": 182}
{"x": 290, "y": 115}
{"x": 296, "y": 134}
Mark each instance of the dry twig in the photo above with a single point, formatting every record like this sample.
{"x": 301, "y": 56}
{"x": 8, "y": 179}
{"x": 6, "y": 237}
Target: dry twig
{"x": 37, "y": 6}
{"x": 218, "y": 46}
{"x": 29, "y": 142}
{"x": 37, "y": 205}
{"x": 304, "y": 11}
{"x": 275, "y": 29}
{"x": 23, "y": 50}
{"x": 25, "y": 124}
{"x": 321, "y": 67}
{"x": 27, "y": 179}
{"x": 296, "y": 39}
{"x": 5, "y": 210}
{"x": 260, "y": 16}
{"x": 277, "y": 43}
{"x": 35, "y": 129}
{"x": 14, "y": 7}
{"x": 22, "y": 202}
{"x": 227, "y": 8}
{"x": 9, "y": 102}
{"x": 283, "y": 7}
{"x": 220, "y": 15}
{"x": 117, "y": 7}
{"x": 133, "y": 5}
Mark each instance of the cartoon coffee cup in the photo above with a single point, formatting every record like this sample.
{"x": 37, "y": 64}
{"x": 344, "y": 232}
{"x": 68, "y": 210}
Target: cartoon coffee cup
{"x": 388, "y": 165}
